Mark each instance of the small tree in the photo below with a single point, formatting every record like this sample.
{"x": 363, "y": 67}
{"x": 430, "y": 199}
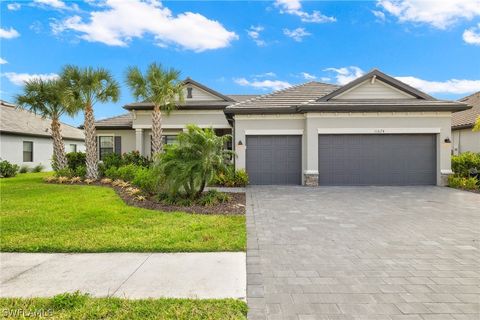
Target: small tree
{"x": 85, "y": 87}
{"x": 45, "y": 98}
{"x": 191, "y": 163}
{"x": 161, "y": 87}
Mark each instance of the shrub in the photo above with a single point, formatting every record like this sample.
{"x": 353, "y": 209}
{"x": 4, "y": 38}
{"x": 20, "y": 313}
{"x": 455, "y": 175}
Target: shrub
{"x": 38, "y": 168}
{"x": 8, "y": 169}
{"x": 69, "y": 300}
{"x": 75, "y": 160}
{"x": 134, "y": 157}
{"x": 146, "y": 179}
{"x": 466, "y": 164}
{"x": 128, "y": 172}
{"x": 80, "y": 171}
{"x": 212, "y": 198}
{"x": 230, "y": 178}
{"x": 112, "y": 173}
{"x": 66, "y": 172}
{"x": 112, "y": 160}
{"x": 24, "y": 169}
{"x": 470, "y": 183}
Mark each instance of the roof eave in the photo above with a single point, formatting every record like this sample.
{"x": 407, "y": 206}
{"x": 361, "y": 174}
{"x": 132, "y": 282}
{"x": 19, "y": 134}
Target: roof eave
{"x": 385, "y": 108}
{"x": 184, "y": 107}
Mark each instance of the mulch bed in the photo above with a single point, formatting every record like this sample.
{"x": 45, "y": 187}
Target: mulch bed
{"x": 236, "y": 206}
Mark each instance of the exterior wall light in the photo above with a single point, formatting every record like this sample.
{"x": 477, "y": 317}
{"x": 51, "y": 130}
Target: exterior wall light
{"x": 447, "y": 140}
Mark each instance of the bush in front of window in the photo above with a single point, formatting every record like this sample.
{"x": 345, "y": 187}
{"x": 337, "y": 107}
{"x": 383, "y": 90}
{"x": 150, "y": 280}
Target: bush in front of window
{"x": 38, "y": 168}
{"x": 8, "y": 169}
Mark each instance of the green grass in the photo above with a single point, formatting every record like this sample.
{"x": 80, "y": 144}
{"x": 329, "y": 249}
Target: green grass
{"x": 77, "y": 306}
{"x": 40, "y": 217}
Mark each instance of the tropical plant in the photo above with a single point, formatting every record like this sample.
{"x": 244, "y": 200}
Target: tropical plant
{"x": 477, "y": 124}
{"x": 46, "y": 98}
{"x": 161, "y": 87}
{"x": 8, "y": 169}
{"x": 85, "y": 87}
{"x": 466, "y": 164}
{"x": 188, "y": 165}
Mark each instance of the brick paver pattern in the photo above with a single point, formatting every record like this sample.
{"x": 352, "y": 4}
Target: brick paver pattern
{"x": 394, "y": 253}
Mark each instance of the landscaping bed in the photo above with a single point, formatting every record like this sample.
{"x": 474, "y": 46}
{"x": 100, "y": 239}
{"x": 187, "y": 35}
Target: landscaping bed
{"x": 234, "y": 205}
{"x": 43, "y": 217}
{"x": 78, "y": 306}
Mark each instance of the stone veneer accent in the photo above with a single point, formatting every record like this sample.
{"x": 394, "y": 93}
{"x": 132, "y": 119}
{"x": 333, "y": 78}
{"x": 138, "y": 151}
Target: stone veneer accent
{"x": 310, "y": 180}
{"x": 444, "y": 179}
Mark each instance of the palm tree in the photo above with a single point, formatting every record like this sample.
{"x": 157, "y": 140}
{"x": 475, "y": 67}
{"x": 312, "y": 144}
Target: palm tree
{"x": 85, "y": 87}
{"x": 161, "y": 87}
{"x": 191, "y": 163}
{"x": 45, "y": 98}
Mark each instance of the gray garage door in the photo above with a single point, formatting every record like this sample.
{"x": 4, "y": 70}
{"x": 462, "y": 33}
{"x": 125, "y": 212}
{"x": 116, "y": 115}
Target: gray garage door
{"x": 389, "y": 159}
{"x": 274, "y": 159}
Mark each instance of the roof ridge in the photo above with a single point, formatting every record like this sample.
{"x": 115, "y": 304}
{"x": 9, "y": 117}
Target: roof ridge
{"x": 110, "y": 118}
{"x": 469, "y": 96}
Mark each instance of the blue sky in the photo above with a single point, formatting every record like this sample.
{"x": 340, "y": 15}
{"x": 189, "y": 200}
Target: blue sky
{"x": 246, "y": 46}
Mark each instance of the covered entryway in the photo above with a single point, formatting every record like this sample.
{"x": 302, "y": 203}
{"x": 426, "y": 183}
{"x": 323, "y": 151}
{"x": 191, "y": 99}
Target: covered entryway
{"x": 274, "y": 159}
{"x": 377, "y": 159}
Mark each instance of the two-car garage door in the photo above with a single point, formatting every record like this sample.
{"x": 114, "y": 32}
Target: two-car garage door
{"x": 377, "y": 159}
{"x": 345, "y": 159}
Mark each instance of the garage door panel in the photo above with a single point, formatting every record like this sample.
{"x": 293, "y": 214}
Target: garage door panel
{"x": 408, "y": 159}
{"x": 274, "y": 159}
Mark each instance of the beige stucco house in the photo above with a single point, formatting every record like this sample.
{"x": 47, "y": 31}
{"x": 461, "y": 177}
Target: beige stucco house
{"x": 463, "y": 138}
{"x": 25, "y": 138}
{"x": 375, "y": 130}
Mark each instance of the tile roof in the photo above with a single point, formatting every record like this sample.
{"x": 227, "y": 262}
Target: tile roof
{"x": 122, "y": 121}
{"x": 466, "y": 119}
{"x": 242, "y": 97}
{"x": 18, "y": 121}
{"x": 285, "y": 99}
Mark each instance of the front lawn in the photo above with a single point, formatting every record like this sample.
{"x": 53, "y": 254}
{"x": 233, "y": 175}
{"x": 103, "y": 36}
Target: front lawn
{"x": 40, "y": 217}
{"x": 75, "y": 306}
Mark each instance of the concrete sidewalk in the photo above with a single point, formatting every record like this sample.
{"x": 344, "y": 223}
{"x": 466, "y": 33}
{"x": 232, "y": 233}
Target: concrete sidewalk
{"x": 126, "y": 275}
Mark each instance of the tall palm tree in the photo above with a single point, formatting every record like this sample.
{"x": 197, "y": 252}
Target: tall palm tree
{"x": 85, "y": 87}
{"x": 161, "y": 87}
{"x": 45, "y": 98}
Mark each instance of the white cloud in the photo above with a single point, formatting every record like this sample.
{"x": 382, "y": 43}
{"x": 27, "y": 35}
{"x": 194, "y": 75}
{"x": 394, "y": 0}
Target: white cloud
{"x": 266, "y": 75}
{"x": 472, "y": 35}
{"x": 36, "y": 26}
{"x": 263, "y": 84}
{"x": 254, "y": 33}
{"x": 439, "y": 14}
{"x": 308, "y": 76}
{"x": 121, "y": 21}
{"x": 19, "y": 78}
{"x": 453, "y": 86}
{"x": 296, "y": 34}
{"x": 294, "y": 7}
{"x": 55, "y": 4}
{"x": 379, "y": 15}
{"x": 14, "y": 6}
{"x": 3, "y": 61}
{"x": 8, "y": 34}
{"x": 346, "y": 74}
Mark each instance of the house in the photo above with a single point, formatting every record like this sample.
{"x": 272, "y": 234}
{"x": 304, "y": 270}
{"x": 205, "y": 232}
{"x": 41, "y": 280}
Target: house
{"x": 375, "y": 130}
{"x": 25, "y": 137}
{"x": 463, "y": 138}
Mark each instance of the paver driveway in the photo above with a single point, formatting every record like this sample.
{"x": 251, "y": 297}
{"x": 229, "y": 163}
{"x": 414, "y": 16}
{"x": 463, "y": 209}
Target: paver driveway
{"x": 363, "y": 253}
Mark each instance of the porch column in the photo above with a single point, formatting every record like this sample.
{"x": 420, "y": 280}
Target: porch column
{"x": 139, "y": 140}
{"x": 310, "y": 173}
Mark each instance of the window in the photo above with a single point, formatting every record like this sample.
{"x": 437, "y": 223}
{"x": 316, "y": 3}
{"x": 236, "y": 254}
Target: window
{"x": 189, "y": 93}
{"x": 106, "y": 145}
{"x": 27, "y": 151}
{"x": 169, "y": 139}
{"x": 72, "y": 148}
{"x": 165, "y": 140}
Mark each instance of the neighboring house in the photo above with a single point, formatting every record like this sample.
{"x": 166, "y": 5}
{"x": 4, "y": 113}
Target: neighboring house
{"x": 463, "y": 138}
{"x": 25, "y": 137}
{"x": 375, "y": 130}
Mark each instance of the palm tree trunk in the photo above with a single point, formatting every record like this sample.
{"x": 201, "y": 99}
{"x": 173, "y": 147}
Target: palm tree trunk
{"x": 156, "y": 130}
{"x": 58, "y": 146}
{"x": 90, "y": 143}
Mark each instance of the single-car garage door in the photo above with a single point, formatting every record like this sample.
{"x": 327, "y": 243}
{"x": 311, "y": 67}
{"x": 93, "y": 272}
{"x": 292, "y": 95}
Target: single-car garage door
{"x": 370, "y": 159}
{"x": 274, "y": 159}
